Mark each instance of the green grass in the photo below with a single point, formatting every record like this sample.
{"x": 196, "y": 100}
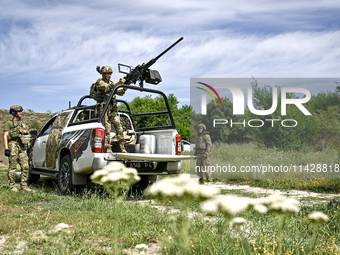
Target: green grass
{"x": 251, "y": 155}
{"x": 91, "y": 217}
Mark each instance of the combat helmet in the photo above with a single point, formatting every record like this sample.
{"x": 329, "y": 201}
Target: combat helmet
{"x": 202, "y": 126}
{"x": 14, "y": 109}
{"x": 106, "y": 69}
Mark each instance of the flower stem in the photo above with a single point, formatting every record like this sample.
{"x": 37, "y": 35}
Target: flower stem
{"x": 115, "y": 221}
{"x": 184, "y": 232}
{"x": 315, "y": 233}
{"x": 280, "y": 219}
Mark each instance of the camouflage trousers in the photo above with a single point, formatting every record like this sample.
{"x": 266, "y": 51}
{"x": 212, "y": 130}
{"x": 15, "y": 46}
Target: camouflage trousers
{"x": 115, "y": 120}
{"x": 111, "y": 117}
{"x": 203, "y": 165}
{"x": 18, "y": 157}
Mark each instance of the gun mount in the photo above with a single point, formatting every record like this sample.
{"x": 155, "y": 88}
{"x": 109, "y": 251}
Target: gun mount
{"x": 142, "y": 72}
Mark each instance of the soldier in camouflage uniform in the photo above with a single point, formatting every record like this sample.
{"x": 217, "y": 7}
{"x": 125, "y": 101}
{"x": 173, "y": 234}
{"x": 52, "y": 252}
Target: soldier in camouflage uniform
{"x": 103, "y": 88}
{"x": 16, "y": 142}
{"x": 203, "y": 149}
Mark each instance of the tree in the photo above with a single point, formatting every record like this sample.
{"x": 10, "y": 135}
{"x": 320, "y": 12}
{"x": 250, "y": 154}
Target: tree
{"x": 273, "y": 133}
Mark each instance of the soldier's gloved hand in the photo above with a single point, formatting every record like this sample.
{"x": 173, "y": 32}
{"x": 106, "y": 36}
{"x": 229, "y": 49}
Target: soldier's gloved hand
{"x": 7, "y": 153}
{"x": 122, "y": 80}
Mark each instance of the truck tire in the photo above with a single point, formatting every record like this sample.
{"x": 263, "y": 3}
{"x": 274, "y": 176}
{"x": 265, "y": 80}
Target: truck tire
{"x": 33, "y": 178}
{"x": 65, "y": 184}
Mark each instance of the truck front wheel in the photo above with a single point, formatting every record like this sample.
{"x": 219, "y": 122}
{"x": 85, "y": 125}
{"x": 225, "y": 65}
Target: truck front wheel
{"x": 33, "y": 178}
{"x": 65, "y": 184}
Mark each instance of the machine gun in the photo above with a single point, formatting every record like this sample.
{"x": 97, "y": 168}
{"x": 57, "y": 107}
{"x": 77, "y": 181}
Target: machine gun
{"x": 142, "y": 72}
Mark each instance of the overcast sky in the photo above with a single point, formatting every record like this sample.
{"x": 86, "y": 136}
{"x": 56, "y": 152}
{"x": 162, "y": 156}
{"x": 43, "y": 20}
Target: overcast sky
{"x": 49, "y": 49}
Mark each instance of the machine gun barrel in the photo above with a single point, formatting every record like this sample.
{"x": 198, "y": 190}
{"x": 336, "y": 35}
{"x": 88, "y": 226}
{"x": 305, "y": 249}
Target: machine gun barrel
{"x": 142, "y": 73}
{"x": 152, "y": 61}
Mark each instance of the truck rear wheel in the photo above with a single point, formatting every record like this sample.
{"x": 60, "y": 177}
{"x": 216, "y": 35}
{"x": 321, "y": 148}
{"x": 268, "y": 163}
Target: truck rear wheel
{"x": 65, "y": 184}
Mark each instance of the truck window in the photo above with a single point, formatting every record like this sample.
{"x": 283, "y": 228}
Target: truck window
{"x": 85, "y": 114}
{"x": 48, "y": 127}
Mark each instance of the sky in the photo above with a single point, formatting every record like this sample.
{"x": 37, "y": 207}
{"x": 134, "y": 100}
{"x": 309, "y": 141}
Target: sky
{"x": 49, "y": 49}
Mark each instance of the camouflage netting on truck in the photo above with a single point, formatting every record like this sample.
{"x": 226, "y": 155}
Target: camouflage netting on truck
{"x": 54, "y": 139}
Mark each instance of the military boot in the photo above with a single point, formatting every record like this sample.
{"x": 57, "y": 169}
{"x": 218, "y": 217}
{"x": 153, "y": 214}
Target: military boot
{"x": 122, "y": 147}
{"x": 26, "y": 188}
{"x": 11, "y": 182}
{"x": 201, "y": 181}
{"x": 209, "y": 180}
{"x": 13, "y": 188}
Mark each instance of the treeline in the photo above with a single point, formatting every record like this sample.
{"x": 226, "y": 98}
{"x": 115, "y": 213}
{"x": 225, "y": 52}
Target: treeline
{"x": 316, "y": 131}
{"x": 319, "y": 130}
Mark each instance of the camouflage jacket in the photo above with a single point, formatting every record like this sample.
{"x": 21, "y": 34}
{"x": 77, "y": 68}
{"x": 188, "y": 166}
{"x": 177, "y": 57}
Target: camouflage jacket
{"x": 203, "y": 143}
{"x": 104, "y": 89}
{"x": 18, "y": 131}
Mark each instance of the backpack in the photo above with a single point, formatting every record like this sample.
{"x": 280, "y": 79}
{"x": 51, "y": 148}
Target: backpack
{"x": 93, "y": 91}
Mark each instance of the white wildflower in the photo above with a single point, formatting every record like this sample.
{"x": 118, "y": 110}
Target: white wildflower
{"x": 61, "y": 226}
{"x": 113, "y": 177}
{"x": 260, "y": 208}
{"x": 131, "y": 172}
{"x": 289, "y": 205}
{"x": 237, "y": 222}
{"x": 142, "y": 248}
{"x": 114, "y": 166}
{"x": 233, "y": 205}
{"x": 180, "y": 187}
{"x": 97, "y": 175}
{"x": 275, "y": 198}
{"x": 318, "y": 217}
{"x": 116, "y": 172}
{"x": 279, "y": 203}
{"x": 228, "y": 205}
{"x": 208, "y": 192}
{"x": 210, "y": 207}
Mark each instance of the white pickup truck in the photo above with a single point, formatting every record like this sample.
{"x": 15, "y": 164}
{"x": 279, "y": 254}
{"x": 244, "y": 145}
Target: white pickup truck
{"x": 70, "y": 147}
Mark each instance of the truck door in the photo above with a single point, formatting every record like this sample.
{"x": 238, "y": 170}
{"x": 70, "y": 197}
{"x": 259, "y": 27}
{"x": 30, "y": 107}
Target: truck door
{"x": 39, "y": 148}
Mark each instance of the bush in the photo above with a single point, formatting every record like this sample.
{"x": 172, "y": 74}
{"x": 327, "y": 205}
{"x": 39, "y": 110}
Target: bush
{"x": 305, "y": 133}
{"x": 36, "y": 125}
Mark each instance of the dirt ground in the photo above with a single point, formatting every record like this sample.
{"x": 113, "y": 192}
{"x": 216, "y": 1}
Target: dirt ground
{"x": 304, "y": 197}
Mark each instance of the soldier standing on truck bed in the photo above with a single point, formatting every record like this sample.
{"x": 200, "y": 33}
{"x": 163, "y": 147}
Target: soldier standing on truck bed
{"x": 16, "y": 142}
{"x": 100, "y": 91}
{"x": 203, "y": 148}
